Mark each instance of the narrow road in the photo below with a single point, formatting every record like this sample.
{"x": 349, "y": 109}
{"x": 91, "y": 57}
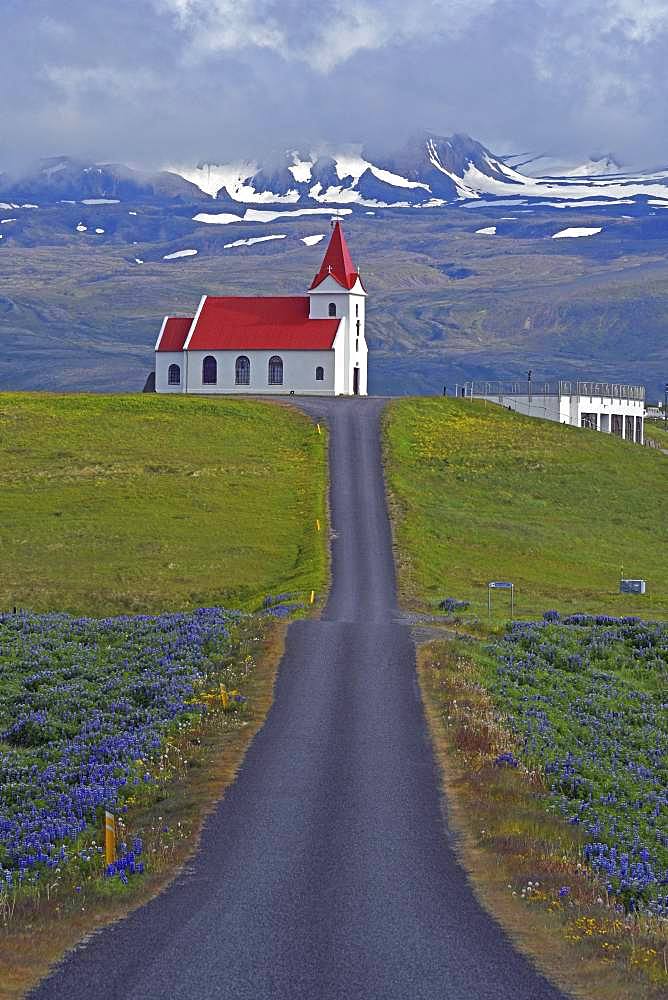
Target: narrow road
{"x": 326, "y": 873}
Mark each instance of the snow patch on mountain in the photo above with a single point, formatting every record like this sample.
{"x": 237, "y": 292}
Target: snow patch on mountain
{"x": 252, "y": 240}
{"x": 338, "y": 195}
{"x": 220, "y": 219}
{"x": 577, "y": 231}
{"x": 488, "y": 231}
{"x": 300, "y": 169}
{"x": 180, "y": 253}
{"x": 235, "y": 179}
{"x": 257, "y": 215}
{"x": 312, "y": 241}
{"x": 212, "y": 177}
{"x": 354, "y": 165}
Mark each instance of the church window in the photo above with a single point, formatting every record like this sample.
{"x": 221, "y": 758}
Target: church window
{"x": 275, "y": 370}
{"x": 209, "y": 371}
{"x": 242, "y": 370}
{"x": 174, "y": 375}
{"x": 357, "y": 308}
{"x": 320, "y": 374}
{"x": 332, "y": 308}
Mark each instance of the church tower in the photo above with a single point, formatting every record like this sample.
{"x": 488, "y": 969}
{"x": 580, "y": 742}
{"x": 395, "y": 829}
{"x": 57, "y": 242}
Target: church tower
{"x": 337, "y": 291}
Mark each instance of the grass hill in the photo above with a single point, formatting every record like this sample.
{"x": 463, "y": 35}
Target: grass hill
{"x": 655, "y": 430}
{"x": 113, "y": 504}
{"x": 480, "y": 493}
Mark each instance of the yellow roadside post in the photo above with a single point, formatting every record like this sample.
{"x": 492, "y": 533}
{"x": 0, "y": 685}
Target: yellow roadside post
{"x": 109, "y": 838}
{"x": 312, "y": 598}
{"x": 224, "y": 697}
{"x": 317, "y": 524}
{"x": 317, "y": 427}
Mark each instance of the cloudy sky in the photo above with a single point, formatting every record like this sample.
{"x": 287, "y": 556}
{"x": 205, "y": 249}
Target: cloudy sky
{"x": 154, "y": 82}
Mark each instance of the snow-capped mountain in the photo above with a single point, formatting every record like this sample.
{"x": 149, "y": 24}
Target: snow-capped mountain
{"x": 532, "y": 165}
{"x": 429, "y": 171}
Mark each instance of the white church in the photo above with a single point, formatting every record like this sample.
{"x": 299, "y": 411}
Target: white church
{"x": 307, "y": 345}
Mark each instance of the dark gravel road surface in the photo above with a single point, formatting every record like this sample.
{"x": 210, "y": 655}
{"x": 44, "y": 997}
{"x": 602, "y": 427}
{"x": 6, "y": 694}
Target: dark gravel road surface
{"x": 327, "y": 872}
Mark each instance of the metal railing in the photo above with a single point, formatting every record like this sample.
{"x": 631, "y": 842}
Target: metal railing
{"x": 561, "y": 387}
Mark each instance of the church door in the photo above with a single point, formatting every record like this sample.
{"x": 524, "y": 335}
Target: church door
{"x": 356, "y": 381}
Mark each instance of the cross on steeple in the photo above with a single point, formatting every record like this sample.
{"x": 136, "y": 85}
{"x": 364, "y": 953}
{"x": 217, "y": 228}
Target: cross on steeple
{"x": 337, "y": 262}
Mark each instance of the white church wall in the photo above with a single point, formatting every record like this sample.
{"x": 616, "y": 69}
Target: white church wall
{"x": 340, "y": 360}
{"x": 350, "y": 343}
{"x": 163, "y": 360}
{"x": 299, "y": 372}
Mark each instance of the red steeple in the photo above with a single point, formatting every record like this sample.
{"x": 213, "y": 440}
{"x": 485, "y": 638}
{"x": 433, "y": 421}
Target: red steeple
{"x": 337, "y": 262}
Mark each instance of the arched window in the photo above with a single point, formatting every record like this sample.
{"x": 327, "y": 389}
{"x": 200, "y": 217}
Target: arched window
{"x": 209, "y": 371}
{"x": 242, "y": 370}
{"x": 332, "y": 308}
{"x": 320, "y": 374}
{"x": 275, "y": 370}
{"x": 357, "y": 308}
{"x": 173, "y": 375}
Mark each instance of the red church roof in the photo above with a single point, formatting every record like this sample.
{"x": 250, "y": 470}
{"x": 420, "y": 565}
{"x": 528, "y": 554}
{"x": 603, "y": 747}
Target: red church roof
{"x": 231, "y": 323}
{"x": 173, "y": 334}
{"x": 337, "y": 262}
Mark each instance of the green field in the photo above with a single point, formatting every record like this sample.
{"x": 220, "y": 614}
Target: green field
{"x": 141, "y": 503}
{"x": 479, "y": 493}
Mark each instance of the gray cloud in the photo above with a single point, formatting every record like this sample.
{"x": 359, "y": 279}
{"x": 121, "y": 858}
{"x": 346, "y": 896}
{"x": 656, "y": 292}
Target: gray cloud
{"x": 162, "y": 81}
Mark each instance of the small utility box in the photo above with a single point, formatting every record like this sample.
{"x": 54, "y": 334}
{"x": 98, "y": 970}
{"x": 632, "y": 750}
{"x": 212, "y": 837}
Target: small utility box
{"x": 631, "y": 586}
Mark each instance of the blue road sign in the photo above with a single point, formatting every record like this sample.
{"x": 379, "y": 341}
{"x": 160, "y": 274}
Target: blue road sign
{"x": 500, "y": 585}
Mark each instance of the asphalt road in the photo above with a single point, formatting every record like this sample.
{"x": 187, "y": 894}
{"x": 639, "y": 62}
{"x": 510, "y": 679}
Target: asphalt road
{"x": 327, "y": 871}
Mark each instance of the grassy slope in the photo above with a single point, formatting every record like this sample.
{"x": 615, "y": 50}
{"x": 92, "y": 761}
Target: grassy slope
{"x": 145, "y": 503}
{"x": 655, "y": 431}
{"x": 481, "y": 493}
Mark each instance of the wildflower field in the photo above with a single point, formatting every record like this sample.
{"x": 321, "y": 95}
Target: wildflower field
{"x": 145, "y": 503}
{"x": 554, "y": 743}
{"x": 479, "y": 494}
{"x": 91, "y": 711}
{"x": 586, "y": 699}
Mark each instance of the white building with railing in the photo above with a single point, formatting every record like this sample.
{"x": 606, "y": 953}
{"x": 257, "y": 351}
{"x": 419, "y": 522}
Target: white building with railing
{"x": 601, "y": 406}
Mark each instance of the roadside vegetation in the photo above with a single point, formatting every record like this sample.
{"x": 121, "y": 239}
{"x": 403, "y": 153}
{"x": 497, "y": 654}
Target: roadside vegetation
{"x": 481, "y": 494}
{"x": 141, "y": 504}
{"x": 146, "y": 717}
{"x": 553, "y": 743}
{"x": 128, "y": 525}
{"x": 552, "y": 733}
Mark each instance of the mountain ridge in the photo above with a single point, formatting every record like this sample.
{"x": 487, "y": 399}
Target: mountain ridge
{"x": 428, "y": 171}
